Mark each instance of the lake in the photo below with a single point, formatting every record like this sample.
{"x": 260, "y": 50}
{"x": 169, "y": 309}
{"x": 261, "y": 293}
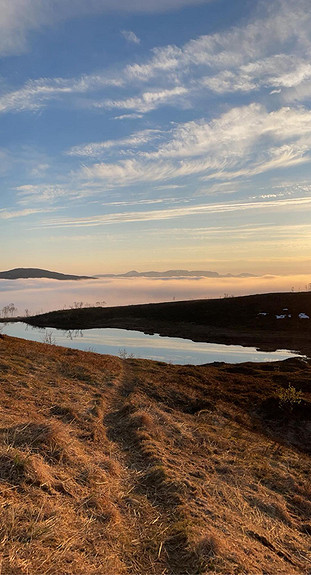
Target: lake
{"x": 125, "y": 343}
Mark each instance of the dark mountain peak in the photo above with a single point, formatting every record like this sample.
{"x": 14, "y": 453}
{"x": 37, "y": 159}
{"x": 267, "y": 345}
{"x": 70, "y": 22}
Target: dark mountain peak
{"x": 32, "y": 273}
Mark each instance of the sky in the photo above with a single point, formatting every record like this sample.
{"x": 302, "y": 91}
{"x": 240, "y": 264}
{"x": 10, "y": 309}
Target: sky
{"x": 155, "y": 134}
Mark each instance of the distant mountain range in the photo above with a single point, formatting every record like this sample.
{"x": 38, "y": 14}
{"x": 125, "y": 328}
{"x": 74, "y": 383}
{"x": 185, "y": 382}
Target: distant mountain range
{"x": 27, "y": 273}
{"x": 35, "y": 273}
{"x": 176, "y": 273}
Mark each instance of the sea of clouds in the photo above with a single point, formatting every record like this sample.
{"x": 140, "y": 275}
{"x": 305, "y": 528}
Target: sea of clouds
{"x": 41, "y": 295}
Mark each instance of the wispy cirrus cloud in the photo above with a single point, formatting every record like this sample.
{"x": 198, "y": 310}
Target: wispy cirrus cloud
{"x": 256, "y": 56}
{"x": 249, "y": 232}
{"x": 131, "y": 171}
{"x": 95, "y": 149}
{"x": 130, "y": 36}
{"x": 7, "y": 214}
{"x": 36, "y": 93}
{"x": 133, "y": 116}
{"x": 147, "y": 101}
{"x": 143, "y": 202}
{"x": 241, "y": 125}
{"x": 245, "y": 141}
{"x": 241, "y": 143}
{"x": 287, "y": 204}
{"x": 245, "y": 59}
{"x": 44, "y": 193}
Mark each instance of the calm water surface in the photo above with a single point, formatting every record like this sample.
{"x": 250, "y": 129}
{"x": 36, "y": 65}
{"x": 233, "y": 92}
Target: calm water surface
{"x": 126, "y": 343}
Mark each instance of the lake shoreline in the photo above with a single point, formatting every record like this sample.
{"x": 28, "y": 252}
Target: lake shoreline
{"x": 133, "y": 343}
{"x": 253, "y": 321}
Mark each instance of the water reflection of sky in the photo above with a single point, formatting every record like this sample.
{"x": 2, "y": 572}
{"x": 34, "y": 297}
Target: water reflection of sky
{"x": 126, "y": 343}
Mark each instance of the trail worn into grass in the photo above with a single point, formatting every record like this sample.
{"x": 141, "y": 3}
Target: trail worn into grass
{"x": 126, "y": 466}
{"x": 154, "y": 494}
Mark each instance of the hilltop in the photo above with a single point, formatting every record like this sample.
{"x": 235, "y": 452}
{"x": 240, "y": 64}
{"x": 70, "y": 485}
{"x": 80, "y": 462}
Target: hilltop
{"x": 134, "y": 467}
{"x": 26, "y": 273}
{"x": 268, "y": 321}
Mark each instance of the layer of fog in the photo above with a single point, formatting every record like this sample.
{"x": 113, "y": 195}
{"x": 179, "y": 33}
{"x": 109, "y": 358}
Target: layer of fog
{"x": 37, "y": 295}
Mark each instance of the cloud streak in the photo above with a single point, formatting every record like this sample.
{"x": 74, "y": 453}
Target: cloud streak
{"x": 179, "y": 212}
{"x": 95, "y": 149}
{"x": 245, "y": 141}
{"x": 37, "y": 93}
{"x": 147, "y": 101}
{"x": 12, "y": 214}
{"x": 29, "y": 193}
{"x": 243, "y": 58}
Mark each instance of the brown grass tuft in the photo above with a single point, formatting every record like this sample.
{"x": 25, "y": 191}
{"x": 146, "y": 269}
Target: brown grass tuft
{"x": 12, "y": 466}
{"x": 209, "y": 546}
{"x": 52, "y": 440}
{"x": 142, "y": 419}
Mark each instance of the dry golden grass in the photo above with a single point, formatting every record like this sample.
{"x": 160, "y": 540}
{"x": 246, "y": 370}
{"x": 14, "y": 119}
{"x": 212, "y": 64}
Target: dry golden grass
{"x": 123, "y": 466}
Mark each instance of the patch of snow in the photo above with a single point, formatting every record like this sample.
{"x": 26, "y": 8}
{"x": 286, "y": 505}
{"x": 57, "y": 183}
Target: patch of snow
{"x": 262, "y": 313}
{"x": 289, "y": 315}
{"x": 285, "y": 308}
{"x": 280, "y": 316}
{"x": 303, "y": 316}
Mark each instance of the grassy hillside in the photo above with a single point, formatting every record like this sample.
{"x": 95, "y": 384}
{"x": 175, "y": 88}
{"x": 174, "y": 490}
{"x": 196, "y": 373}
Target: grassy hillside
{"x": 268, "y": 321}
{"x": 124, "y": 466}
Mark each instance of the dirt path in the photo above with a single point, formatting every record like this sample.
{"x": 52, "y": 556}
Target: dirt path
{"x": 159, "y": 542}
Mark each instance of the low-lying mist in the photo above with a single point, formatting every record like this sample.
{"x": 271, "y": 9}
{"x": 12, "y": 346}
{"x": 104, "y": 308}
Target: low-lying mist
{"x": 41, "y": 295}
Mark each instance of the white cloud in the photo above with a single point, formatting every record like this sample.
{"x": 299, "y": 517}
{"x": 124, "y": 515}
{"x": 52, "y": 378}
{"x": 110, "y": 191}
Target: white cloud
{"x": 246, "y": 231}
{"x": 179, "y": 212}
{"x": 245, "y": 141}
{"x": 166, "y": 59}
{"x": 30, "y": 193}
{"x": 245, "y": 58}
{"x": 271, "y": 52}
{"x": 147, "y": 101}
{"x": 95, "y": 149}
{"x": 130, "y": 171}
{"x": 128, "y": 117}
{"x": 130, "y": 36}
{"x": 11, "y": 214}
{"x": 239, "y": 144}
{"x": 278, "y": 71}
{"x": 235, "y": 131}
{"x": 229, "y": 81}
{"x": 294, "y": 77}
{"x": 127, "y": 171}
{"x": 36, "y": 93}
{"x": 282, "y": 157}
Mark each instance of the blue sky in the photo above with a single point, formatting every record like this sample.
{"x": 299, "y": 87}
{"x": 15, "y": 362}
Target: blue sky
{"x": 155, "y": 134}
